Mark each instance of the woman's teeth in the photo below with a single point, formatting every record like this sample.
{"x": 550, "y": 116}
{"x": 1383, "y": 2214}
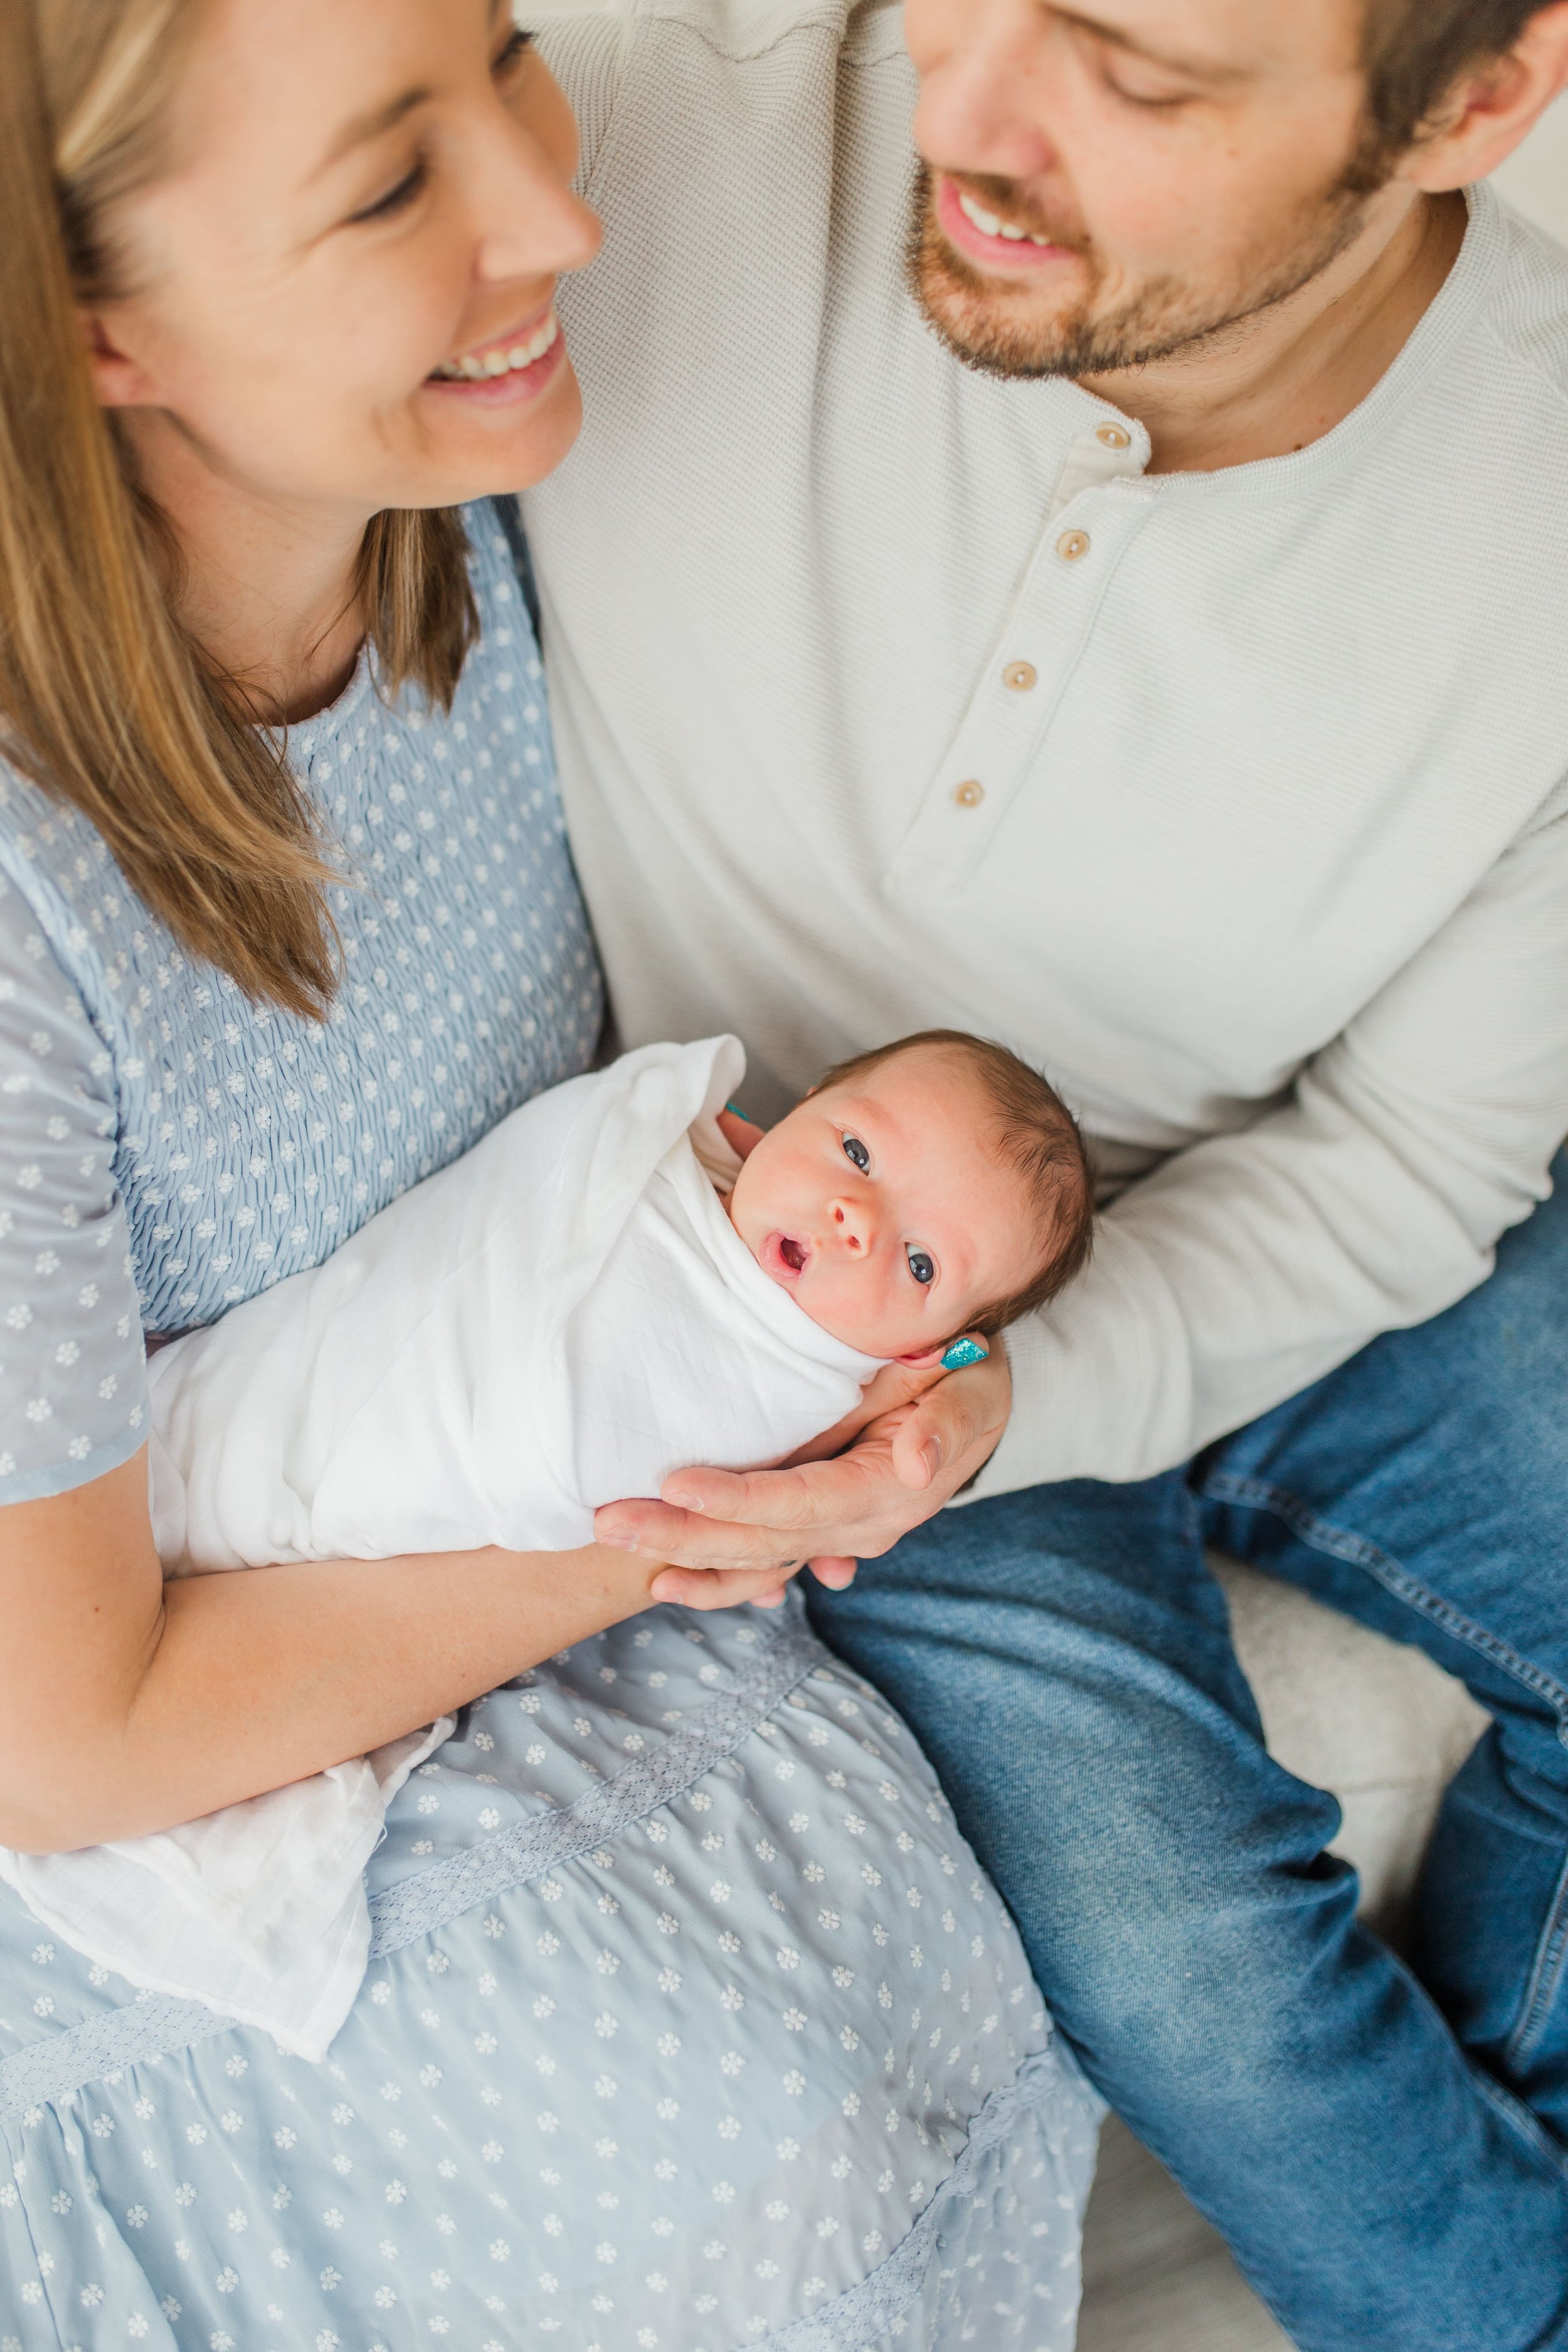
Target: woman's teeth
{"x": 990, "y": 226}
{"x": 473, "y": 369}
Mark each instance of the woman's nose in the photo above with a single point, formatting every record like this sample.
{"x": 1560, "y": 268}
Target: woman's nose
{"x": 532, "y": 222}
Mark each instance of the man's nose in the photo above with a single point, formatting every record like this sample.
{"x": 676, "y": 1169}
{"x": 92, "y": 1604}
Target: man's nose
{"x": 854, "y": 1225}
{"x": 980, "y": 110}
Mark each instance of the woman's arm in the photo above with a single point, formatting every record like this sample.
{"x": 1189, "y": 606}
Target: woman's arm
{"x": 127, "y": 1704}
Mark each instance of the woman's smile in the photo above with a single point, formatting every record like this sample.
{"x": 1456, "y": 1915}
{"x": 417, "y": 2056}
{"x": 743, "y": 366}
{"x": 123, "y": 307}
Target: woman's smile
{"x": 516, "y": 366}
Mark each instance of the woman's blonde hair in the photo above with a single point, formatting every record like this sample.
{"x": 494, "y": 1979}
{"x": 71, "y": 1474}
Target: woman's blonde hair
{"x": 105, "y": 701}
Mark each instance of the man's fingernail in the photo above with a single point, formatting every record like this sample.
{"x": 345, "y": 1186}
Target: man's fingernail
{"x": 931, "y": 1455}
{"x": 616, "y": 1539}
{"x": 961, "y": 1352}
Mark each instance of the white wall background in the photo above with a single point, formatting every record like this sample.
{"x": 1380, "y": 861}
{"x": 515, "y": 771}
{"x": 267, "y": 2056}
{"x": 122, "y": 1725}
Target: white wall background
{"x": 1536, "y": 179}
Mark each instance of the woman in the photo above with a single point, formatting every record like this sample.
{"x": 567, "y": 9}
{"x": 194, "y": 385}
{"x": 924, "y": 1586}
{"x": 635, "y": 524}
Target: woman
{"x": 689, "y": 2020}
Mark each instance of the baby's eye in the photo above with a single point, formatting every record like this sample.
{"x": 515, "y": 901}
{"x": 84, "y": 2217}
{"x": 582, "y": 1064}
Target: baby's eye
{"x": 856, "y": 1150}
{"x": 922, "y": 1268}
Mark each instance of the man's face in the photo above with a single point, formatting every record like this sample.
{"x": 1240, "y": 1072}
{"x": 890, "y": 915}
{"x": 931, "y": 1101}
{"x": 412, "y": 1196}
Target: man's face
{"x": 1104, "y": 186}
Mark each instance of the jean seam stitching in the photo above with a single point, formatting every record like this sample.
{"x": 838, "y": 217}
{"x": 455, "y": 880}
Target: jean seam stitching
{"x": 1545, "y": 1982}
{"x": 1551, "y": 1953}
{"x": 1510, "y": 2108}
{"x": 1224, "y": 1486}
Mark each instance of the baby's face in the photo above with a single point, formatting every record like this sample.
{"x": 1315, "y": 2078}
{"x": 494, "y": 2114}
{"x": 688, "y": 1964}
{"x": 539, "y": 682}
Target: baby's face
{"x": 884, "y": 1208}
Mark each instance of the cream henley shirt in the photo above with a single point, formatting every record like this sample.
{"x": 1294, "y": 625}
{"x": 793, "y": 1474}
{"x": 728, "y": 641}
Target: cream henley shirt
{"x": 888, "y": 695}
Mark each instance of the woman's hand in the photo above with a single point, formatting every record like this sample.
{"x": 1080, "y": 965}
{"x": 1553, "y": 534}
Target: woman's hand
{"x": 719, "y": 1527}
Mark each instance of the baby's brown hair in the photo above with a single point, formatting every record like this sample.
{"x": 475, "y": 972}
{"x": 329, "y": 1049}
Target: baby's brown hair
{"x": 1039, "y": 1136}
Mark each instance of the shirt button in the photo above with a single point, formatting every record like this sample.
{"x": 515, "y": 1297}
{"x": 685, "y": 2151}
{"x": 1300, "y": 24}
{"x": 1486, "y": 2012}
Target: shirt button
{"x": 1072, "y": 544}
{"x": 969, "y": 794}
{"x": 1112, "y": 437}
{"x": 1020, "y": 675}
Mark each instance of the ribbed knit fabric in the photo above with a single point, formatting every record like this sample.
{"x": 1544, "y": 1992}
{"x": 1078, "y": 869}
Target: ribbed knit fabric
{"x": 1269, "y": 867}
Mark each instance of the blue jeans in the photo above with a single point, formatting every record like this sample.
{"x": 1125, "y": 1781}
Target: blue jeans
{"x": 1384, "y": 2146}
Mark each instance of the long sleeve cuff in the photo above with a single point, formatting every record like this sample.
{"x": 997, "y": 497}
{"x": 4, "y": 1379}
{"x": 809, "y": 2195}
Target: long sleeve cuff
{"x": 1101, "y": 1379}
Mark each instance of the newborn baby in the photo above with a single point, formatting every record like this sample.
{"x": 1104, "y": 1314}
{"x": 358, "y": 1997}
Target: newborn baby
{"x": 625, "y": 1277}
{"x": 622, "y": 1279}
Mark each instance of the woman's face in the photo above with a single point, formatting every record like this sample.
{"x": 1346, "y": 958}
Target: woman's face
{"x": 341, "y": 291}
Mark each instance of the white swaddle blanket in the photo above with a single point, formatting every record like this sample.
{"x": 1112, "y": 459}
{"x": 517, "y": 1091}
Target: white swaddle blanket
{"x": 559, "y": 1318}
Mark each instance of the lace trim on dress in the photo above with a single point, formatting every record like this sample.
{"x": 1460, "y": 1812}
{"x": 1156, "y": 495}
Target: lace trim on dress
{"x": 862, "y": 2315}
{"x": 404, "y": 1913}
{"x": 155, "y": 2025}
{"x": 152, "y": 2026}
{"x": 867, "y": 2311}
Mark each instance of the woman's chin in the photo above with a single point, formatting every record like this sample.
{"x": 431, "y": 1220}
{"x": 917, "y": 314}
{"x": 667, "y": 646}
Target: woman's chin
{"x": 487, "y": 447}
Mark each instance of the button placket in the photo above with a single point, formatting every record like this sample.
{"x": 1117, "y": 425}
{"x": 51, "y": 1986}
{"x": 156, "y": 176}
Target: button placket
{"x": 1109, "y": 451}
{"x": 999, "y": 740}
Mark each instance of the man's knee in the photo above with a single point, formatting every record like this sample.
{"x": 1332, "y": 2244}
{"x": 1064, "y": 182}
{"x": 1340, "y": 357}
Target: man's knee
{"x": 1200, "y": 2002}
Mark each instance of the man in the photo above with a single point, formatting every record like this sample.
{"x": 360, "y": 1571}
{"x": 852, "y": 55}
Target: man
{"x": 1162, "y": 665}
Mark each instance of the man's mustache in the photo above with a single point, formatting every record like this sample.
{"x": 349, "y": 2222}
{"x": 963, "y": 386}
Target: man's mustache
{"x": 1012, "y": 201}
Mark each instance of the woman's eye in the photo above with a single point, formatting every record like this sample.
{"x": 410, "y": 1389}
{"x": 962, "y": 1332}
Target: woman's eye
{"x": 922, "y": 1268}
{"x": 396, "y": 199}
{"x": 856, "y": 1150}
{"x": 516, "y": 44}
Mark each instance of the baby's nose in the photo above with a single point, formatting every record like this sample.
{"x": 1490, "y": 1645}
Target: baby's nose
{"x": 853, "y": 1225}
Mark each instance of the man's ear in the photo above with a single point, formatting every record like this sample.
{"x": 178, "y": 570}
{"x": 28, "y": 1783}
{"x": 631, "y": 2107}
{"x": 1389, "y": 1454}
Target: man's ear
{"x": 1492, "y": 108}
{"x": 119, "y": 380}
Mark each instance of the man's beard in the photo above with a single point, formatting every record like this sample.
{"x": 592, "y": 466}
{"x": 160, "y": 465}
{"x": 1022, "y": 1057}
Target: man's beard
{"x": 990, "y": 323}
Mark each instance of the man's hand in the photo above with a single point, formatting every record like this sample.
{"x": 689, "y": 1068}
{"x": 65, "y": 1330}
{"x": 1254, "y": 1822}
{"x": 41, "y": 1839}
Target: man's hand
{"x": 925, "y": 1442}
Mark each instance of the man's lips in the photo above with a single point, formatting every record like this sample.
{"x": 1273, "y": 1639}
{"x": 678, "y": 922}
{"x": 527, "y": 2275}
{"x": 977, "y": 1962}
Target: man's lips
{"x": 1018, "y": 256}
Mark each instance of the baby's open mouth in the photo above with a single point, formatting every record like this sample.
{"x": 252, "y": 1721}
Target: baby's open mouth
{"x": 784, "y": 1257}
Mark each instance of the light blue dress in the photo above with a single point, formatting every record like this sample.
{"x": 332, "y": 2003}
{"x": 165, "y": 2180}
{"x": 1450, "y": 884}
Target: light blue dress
{"x": 691, "y": 2024}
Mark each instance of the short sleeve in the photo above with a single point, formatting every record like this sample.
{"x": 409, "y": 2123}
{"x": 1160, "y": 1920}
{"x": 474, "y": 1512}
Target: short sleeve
{"x": 73, "y": 1398}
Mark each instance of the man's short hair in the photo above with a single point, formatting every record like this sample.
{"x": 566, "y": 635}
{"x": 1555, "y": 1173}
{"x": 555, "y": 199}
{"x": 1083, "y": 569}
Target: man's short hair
{"x": 1415, "y": 51}
{"x": 1038, "y": 1136}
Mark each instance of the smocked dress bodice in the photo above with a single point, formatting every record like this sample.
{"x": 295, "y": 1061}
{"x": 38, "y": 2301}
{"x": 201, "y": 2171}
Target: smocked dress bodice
{"x": 168, "y": 1148}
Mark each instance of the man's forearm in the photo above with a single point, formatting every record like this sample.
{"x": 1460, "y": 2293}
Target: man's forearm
{"x": 1242, "y": 1271}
